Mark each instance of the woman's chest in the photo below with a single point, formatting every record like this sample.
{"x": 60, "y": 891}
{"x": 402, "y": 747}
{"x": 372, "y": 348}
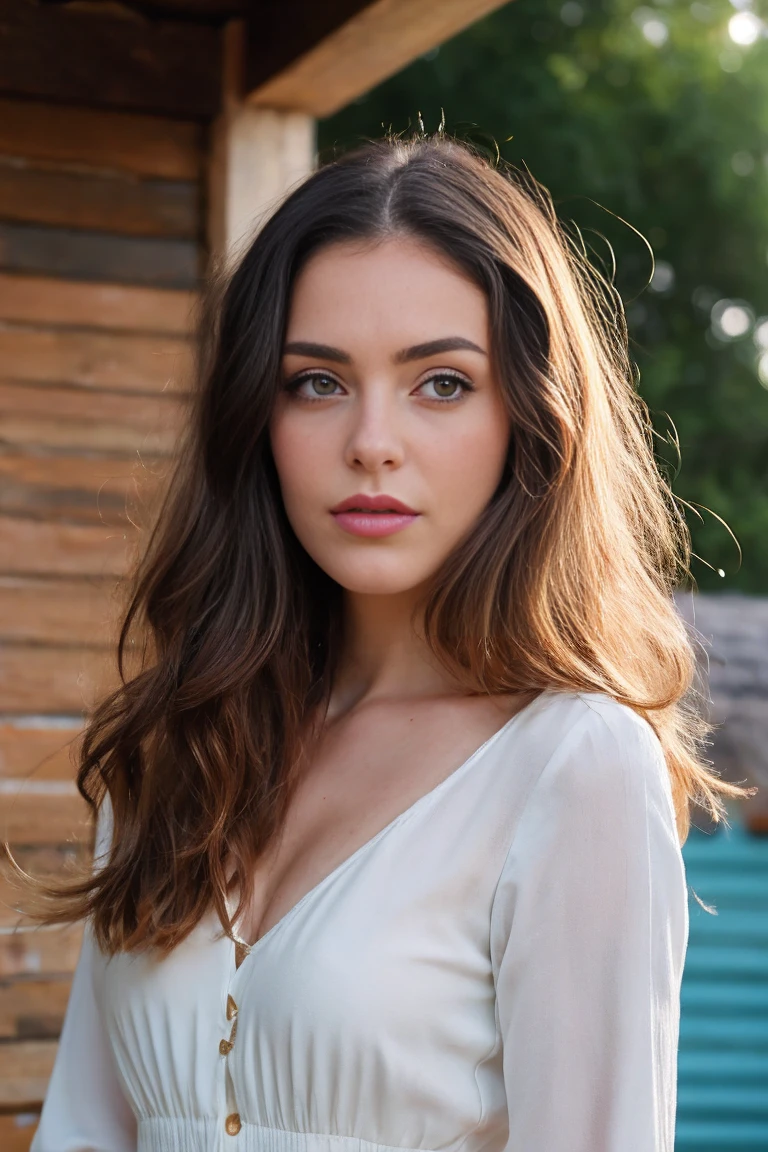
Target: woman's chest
{"x": 350, "y": 995}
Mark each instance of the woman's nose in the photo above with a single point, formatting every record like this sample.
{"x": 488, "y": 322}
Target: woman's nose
{"x": 375, "y": 439}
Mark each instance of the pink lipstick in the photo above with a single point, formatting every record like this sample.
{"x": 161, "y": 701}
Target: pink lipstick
{"x": 373, "y": 515}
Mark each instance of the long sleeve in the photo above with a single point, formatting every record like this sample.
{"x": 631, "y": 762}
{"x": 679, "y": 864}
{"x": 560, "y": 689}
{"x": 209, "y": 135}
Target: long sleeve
{"x": 85, "y": 1109}
{"x": 589, "y": 932}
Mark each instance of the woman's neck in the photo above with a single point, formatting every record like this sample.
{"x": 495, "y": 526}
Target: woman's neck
{"x": 384, "y": 654}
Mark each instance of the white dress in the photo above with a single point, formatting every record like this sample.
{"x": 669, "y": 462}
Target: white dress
{"x": 497, "y": 970}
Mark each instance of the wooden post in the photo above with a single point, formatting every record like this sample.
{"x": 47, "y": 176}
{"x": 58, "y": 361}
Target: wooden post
{"x": 257, "y": 156}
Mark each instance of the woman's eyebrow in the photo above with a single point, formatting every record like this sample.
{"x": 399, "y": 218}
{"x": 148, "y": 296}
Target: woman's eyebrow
{"x": 320, "y": 351}
{"x": 416, "y": 352}
{"x": 435, "y": 347}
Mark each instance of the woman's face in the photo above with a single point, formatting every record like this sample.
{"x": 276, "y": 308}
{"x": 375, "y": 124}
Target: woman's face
{"x": 390, "y": 433}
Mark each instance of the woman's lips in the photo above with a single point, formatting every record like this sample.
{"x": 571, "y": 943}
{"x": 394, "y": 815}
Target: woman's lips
{"x": 374, "y": 523}
{"x": 379, "y": 515}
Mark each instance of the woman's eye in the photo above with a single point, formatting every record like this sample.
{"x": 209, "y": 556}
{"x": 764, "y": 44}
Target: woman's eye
{"x": 315, "y": 387}
{"x": 444, "y": 388}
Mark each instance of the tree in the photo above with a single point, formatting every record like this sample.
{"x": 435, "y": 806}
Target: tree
{"x": 659, "y": 114}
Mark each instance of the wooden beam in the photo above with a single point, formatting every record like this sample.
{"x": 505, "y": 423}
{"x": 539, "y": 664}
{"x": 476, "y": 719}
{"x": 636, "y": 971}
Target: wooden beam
{"x": 257, "y": 156}
{"x": 373, "y": 44}
{"x": 115, "y": 57}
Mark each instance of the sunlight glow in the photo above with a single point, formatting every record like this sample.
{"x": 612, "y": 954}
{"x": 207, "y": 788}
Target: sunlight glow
{"x": 651, "y": 25}
{"x": 731, "y": 319}
{"x": 762, "y": 369}
{"x": 663, "y": 279}
{"x": 745, "y": 28}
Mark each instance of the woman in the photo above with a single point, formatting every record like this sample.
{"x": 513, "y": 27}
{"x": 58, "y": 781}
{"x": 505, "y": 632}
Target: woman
{"x": 399, "y": 786}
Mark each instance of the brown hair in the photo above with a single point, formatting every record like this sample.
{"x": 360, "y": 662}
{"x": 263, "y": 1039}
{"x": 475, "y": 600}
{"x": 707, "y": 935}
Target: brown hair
{"x": 565, "y": 582}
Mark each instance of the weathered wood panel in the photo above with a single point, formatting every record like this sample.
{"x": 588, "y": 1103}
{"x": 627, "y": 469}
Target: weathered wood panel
{"x": 78, "y": 489}
{"x": 32, "y": 547}
{"x": 40, "y": 680}
{"x": 44, "y": 301}
{"x": 33, "y": 1009}
{"x": 16, "y": 1131}
{"x": 43, "y": 863}
{"x": 83, "y": 420}
{"x": 44, "y": 753}
{"x": 107, "y": 141}
{"x": 25, "y": 1069}
{"x": 95, "y": 360}
{"x": 91, "y": 402}
{"x": 58, "y": 611}
{"x": 120, "y": 204}
{"x": 39, "y": 950}
{"x": 98, "y": 256}
{"x": 79, "y": 56}
{"x": 30, "y": 816}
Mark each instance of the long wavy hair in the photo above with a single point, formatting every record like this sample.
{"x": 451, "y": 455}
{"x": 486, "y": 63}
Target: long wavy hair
{"x": 232, "y": 632}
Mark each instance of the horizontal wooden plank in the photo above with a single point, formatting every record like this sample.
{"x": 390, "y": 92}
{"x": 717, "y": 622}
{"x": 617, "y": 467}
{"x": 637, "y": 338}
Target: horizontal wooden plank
{"x": 37, "y": 548}
{"x": 29, "y": 748}
{"x": 42, "y": 300}
{"x": 80, "y": 56}
{"x": 82, "y": 435}
{"x": 47, "y": 680}
{"x": 121, "y": 204}
{"x": 16, "y": 1131}
{"x": 41, "y": 862}
{"x": 94, "y": 256}
{"x": 29, "y": 817}
{"x": 78, "y": 489}
{"x": 25, "y": 1068}
{"x": 95, "y": 360}
{"x": 33, "y": 1009}
{"x": 40, "y": 416}
{"x": 37, "y": 951}
{"x": 110, "y": 141}
{"x": 57, "y": 611}
{"x": 320, "y": 64}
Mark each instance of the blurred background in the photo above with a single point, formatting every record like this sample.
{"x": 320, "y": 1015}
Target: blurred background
{"x": 139, "y": 142}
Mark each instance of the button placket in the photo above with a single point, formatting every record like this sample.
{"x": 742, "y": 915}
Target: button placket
{"x": 232, "y": 1123}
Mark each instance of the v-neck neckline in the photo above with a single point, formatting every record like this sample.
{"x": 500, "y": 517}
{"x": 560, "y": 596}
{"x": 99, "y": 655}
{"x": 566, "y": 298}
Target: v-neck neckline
{"x": 419, "y": 803}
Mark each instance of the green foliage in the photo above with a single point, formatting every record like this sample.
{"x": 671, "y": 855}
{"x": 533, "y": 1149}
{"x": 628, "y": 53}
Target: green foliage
{"x": 653, "y": 112}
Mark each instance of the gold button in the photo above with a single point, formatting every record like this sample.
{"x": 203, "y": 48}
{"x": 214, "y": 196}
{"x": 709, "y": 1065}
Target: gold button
{"x": 225, "y": 1047}
{"x": 232, "y": 1124}
{"x": 231, "y": 1008}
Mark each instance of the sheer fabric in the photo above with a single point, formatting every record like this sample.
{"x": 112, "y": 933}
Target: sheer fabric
{"x": 498, "y": 970}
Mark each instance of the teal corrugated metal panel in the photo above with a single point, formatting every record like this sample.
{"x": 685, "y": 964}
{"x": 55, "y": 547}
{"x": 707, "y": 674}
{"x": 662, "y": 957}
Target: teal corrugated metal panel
{"x": 723, "y": 1065}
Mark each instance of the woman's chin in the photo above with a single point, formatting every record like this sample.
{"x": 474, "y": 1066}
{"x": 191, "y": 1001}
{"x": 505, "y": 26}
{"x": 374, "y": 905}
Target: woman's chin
{"x": 372, "y": 581}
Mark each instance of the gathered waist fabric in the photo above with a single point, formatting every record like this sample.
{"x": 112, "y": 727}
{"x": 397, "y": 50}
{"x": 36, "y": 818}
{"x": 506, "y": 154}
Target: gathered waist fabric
{"x": 177, "y": 1134}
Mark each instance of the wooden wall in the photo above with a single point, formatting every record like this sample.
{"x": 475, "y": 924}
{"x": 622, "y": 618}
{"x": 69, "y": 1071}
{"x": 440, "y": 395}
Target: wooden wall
{"x": 101, "y": 249}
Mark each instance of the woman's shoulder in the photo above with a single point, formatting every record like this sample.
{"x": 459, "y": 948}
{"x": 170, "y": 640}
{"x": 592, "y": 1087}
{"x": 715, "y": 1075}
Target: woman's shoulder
{"x": 590, "y": 745}
{"x": 568, "y": 712}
